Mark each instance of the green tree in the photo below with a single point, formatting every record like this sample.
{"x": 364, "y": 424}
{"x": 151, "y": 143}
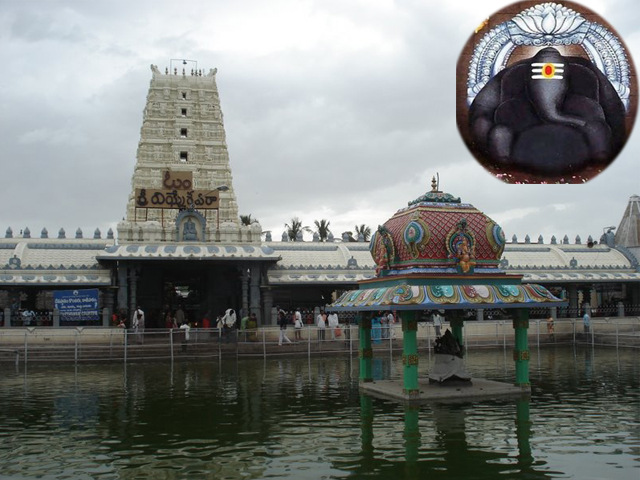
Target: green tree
{"x": 247, "y": 220}
{"x": 365, "y": 231}
{"x": 322, "y": 227}
{"x": 295, "y": 228}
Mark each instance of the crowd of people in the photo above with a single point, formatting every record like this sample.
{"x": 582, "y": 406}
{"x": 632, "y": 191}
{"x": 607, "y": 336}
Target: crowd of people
{"x": 323, "y": 321}
{"x": 328, "y": 325}
{"x": 383, "y": 326}
{"x": 226, "y": 323}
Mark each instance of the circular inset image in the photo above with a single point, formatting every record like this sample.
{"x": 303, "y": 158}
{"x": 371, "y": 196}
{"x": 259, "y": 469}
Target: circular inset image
{"x": 546, "y": 93}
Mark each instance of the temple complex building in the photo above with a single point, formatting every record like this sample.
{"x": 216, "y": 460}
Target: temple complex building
{"x": 181, "y": 243}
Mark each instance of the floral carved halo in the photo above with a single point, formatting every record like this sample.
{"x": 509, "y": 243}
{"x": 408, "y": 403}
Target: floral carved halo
{"x": 549, "y": 24}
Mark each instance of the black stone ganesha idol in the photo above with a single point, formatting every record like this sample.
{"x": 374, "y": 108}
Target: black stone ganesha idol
{"x": 545, "y": 93}
{"x": 548, "y": 115}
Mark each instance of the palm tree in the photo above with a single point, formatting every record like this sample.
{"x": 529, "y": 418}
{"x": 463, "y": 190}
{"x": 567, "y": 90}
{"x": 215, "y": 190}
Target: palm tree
{"x": 323, "y": 229}
{"x": 295, "y": 228}
{"x": 364, "y": 230}
{"x": 246, "y": 220}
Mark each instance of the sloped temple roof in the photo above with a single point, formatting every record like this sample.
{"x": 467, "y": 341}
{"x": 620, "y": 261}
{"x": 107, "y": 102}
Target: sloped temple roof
{"x": 306, "y": 263}
{"x": 55, "y": 262}
{"x": 321, "y": 263}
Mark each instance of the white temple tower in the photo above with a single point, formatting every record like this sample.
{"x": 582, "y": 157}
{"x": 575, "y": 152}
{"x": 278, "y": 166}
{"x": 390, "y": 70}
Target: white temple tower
{"x": 183, "y": 138}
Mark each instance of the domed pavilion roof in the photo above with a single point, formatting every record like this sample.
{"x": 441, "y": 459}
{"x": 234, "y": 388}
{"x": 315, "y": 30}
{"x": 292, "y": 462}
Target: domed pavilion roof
{"x": 437, "y": 233}
{"x": 440, "y": 253}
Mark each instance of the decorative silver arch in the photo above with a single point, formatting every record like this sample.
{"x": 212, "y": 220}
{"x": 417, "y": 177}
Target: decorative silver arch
{"x": 549, "y": 24}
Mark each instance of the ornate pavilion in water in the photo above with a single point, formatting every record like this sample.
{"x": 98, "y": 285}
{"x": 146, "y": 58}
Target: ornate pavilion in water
{"x": 441, "y": 254}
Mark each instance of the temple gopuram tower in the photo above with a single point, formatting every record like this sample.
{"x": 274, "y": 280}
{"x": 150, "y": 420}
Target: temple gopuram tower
{"x": 182, "y": 165}
{"x": 182, "y": 244}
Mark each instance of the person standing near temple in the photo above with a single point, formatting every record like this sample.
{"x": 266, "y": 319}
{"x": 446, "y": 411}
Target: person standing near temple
{"x": 180, "y": 316}
{"x": 297, "y": 315}
{"x": 283, "y": 321}
{"x": 376, "y": 328}
{"x": 220, "y": 326}
{"x": 229, "y": 318}
{"x": 169, "y": 321}
{"x": 586, "y": 322}
{"x": 333, "y": 324}
{"x": 206, "y": 320}
{"x": 297, "y": 325}
{"x": 243, "y": 322}
{"x": 384, "y": 327}
{"x": 137, "y": 323}
{"x": 391, "y": 321}
{"x": 437, "y": 322}
{"x": 229, "y": 321}
{"x": 322, "y": 325}
{"x": 185, "y": 340}
{"x": 252, "y": 326}
{"x": 550, "y": 326}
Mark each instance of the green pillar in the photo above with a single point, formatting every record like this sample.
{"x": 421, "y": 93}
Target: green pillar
{"x": 521, "y": 352}
{"x": 523, "y": 433}
{"x": 366, "y": 426}
{"x": 411, "y": 434}
{"x": 457, "y": 323}
{"x": 410, "y": 354}
{"x": 365, "y": 353}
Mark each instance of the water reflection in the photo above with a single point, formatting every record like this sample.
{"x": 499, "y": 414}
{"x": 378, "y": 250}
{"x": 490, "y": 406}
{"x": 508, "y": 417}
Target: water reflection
{"x": 448, "y": 451}
{"x": 305, "y": 418}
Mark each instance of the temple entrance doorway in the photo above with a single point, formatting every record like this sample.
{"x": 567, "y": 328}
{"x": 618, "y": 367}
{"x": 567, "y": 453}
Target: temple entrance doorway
{"x": 197, "y": 287}
{"x": 186, "y": 290}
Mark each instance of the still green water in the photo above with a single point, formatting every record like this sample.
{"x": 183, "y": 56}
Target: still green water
{"x": 301, "y": 419}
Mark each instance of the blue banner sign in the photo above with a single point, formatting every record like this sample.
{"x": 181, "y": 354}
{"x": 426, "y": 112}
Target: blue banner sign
{"x": 77, "y": 307}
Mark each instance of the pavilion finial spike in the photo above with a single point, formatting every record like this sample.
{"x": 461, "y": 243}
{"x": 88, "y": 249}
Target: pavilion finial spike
{"x": 435, "y": 183}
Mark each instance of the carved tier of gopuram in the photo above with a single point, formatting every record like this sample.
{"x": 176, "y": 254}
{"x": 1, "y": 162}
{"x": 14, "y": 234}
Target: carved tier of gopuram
{"x": 441, "y": 254}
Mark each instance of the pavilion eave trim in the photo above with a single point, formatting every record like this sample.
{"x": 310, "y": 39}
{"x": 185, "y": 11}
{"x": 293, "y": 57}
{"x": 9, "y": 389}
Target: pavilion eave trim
{"x": 427, "y": 297}
{"x": 476, "y": 306}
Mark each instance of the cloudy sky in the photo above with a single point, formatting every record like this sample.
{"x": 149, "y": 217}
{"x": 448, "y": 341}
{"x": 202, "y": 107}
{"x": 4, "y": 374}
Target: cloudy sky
{"x": 334, "y": 109}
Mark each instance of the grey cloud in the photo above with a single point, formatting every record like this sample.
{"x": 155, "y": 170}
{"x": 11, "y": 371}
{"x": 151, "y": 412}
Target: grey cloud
{"x": 35, "y": 25}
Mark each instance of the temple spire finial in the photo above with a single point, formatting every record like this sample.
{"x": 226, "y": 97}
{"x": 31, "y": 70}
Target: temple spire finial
{"x": 435, "y": 183}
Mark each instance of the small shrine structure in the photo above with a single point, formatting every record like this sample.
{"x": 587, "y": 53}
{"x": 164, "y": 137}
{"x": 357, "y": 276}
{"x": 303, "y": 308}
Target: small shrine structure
{"x": 441, "y": 254}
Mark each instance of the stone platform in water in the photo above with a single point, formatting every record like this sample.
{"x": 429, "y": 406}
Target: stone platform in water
{"x": 477, "y": 388}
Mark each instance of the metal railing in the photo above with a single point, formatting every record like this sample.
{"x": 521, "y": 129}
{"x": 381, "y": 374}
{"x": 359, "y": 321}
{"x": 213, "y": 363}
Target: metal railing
{"x": 12, "y": 352}
{"x": 116, "y": 344}
{"x": 38, "y": 319}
